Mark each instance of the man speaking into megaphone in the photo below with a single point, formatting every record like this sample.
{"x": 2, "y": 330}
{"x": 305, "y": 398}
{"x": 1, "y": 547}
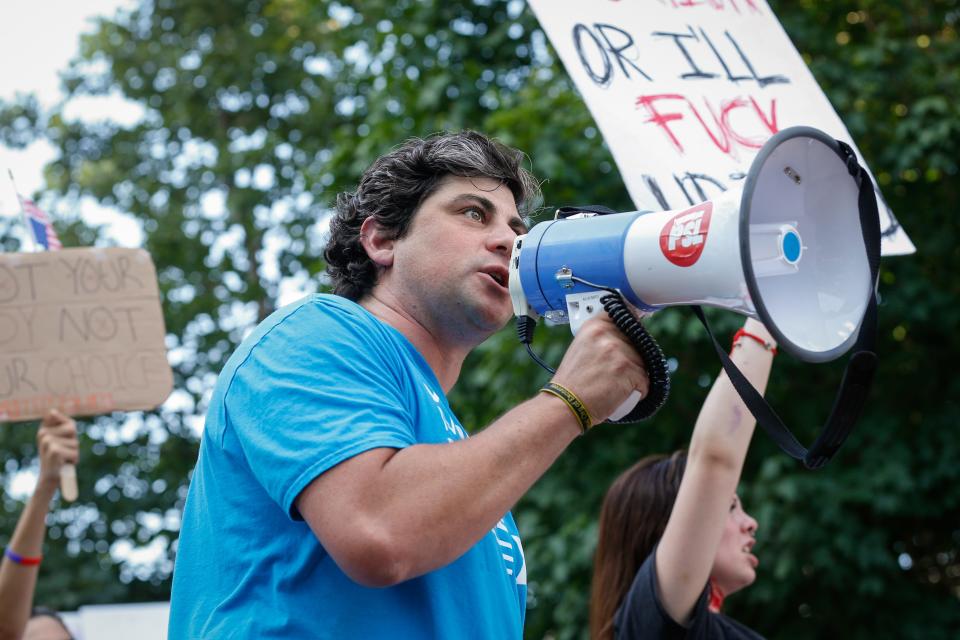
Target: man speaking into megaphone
{"x": 339, "y": 490}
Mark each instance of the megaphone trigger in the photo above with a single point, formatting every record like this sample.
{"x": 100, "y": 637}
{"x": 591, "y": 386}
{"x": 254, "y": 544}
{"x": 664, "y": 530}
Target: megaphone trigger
{"x": 624, "y": 409}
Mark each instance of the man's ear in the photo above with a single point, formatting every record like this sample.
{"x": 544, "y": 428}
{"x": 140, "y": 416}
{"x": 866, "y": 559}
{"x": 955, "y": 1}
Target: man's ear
{"x": 377, "y": 243}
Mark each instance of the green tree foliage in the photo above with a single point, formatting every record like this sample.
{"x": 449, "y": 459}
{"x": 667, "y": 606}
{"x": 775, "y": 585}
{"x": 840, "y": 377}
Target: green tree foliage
{"x": 256, "y": 113}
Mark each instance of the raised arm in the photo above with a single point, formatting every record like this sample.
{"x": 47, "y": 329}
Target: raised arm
{"x": 57, "y": 443}
{"x": 389, "y": 515}
{"x": 718, "y": 448}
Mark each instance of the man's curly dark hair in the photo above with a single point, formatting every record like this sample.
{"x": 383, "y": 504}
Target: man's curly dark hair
{"x": 395, "y": 185}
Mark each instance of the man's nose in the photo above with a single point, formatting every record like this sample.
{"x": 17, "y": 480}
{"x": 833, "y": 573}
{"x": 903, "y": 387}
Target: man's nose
{"x": 501, "y": 237}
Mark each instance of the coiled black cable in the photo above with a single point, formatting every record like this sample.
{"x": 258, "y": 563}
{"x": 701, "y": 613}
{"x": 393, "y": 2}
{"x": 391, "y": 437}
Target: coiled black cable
{"x": 650, "y": 352}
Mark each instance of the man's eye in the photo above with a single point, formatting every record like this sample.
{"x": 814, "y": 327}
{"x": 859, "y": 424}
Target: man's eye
{"x": 474, "y": 214}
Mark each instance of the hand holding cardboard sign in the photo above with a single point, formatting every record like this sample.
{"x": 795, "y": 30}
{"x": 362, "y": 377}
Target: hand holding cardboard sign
{"x": 59, "y": 452}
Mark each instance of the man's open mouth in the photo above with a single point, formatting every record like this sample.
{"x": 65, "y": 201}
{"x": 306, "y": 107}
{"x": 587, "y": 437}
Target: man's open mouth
{"x": 499, "y": 276}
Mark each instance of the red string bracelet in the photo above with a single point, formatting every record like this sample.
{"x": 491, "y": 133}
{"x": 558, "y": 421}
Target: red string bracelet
{"x": 27, "y": 561}
{"x": 742, "y": 333}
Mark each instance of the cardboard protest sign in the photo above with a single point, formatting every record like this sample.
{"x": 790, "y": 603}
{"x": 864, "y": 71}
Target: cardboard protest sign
{"x": 686, "y": 92}
{"x": 81, "y": 330}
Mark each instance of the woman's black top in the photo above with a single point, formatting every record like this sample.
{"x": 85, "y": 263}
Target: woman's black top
{"x": 642, "y": 615}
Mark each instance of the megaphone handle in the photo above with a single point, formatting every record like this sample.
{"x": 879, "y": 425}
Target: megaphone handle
{"x": 583, "y": 306}
{"x": 628, "y": 405}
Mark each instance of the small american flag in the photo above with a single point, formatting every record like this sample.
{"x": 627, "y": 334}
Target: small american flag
{"x": 40, "y": 225}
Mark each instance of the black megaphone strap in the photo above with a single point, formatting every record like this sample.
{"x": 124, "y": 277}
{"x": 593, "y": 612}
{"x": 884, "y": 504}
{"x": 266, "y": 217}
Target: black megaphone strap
{"x": 858, "y": 375}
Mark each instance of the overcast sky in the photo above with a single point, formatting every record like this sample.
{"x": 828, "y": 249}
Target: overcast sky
{"x": 37, "y": 40}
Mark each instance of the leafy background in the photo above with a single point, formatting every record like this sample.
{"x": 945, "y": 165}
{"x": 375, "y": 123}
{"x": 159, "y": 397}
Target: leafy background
{"x": 257, "y": 112}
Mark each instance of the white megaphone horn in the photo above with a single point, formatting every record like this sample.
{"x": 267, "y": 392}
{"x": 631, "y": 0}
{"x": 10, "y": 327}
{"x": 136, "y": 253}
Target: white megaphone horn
{"x": 789, "y": 247}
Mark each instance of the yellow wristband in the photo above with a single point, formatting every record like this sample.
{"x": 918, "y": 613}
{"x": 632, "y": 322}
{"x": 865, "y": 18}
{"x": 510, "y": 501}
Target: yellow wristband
{"x": 574, "y": 403}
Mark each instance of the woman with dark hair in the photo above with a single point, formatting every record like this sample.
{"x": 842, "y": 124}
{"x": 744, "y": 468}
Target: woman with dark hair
{"x": 674, "y": 539}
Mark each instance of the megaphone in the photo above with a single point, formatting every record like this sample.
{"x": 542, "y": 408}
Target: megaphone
{"x": 788, "y": 246}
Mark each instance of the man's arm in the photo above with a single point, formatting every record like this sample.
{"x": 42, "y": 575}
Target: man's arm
{"x": 57, "y": 442}
{"x": 388, "y": 515}
{"x": 718, "y": 449}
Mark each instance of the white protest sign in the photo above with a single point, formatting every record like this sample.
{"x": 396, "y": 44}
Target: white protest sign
{"x": 81, "y": 330}
{"x": 686, "y": 92}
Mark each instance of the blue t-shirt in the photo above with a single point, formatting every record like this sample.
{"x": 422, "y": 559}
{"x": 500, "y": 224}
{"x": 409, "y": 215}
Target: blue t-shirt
{"x": 316, "y": 383}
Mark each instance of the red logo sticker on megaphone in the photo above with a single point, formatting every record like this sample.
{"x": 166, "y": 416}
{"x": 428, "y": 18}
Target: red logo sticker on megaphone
{"x": 683, "y": 237}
